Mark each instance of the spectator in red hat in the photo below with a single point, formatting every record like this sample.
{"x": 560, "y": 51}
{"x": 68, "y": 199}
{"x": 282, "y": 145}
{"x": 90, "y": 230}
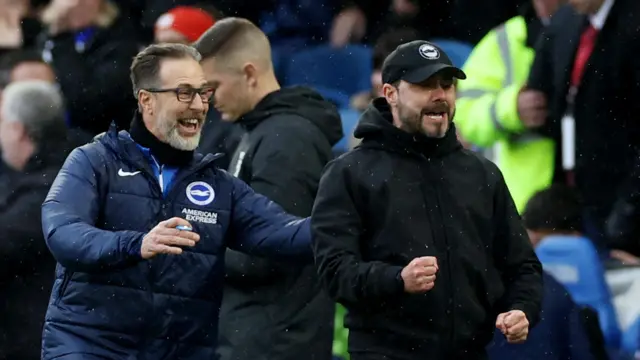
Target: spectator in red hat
{"x": 183, "y": 24}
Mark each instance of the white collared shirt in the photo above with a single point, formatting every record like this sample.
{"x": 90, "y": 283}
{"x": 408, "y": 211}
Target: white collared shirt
{"x": 598, "y": 19}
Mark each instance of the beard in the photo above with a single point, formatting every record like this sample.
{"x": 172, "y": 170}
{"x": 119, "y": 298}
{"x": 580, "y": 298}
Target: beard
{"x": 412, "y": 122}
{"x": 169, "y": 129}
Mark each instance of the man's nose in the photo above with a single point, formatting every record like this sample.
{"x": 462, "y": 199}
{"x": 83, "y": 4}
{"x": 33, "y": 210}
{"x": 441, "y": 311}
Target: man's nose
{"x": 438, "y": 93}
{"x": 197, "y": 103}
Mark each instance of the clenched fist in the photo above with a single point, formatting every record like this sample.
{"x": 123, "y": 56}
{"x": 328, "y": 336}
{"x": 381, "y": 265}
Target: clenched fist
{"x": 420, "y": 275}
{"x": 166, "y": 239}
{"x": 514, "y": 325}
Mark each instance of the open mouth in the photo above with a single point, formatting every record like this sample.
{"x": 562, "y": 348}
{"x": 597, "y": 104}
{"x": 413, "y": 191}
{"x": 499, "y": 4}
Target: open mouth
{"x": 436, "y": 116}
{"x": 189, "y": 126}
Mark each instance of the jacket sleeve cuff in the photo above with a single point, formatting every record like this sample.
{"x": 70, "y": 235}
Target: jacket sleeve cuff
{"x": 392, "y": 282}
{"x": 131, "y": 244}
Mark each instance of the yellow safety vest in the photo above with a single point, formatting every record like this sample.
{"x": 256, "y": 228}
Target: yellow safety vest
{"x": 487, "y": 115}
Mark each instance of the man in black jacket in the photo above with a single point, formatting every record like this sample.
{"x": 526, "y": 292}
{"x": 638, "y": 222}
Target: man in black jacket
{"x": 409, "y": 205}
{"x": 270, "y": 310}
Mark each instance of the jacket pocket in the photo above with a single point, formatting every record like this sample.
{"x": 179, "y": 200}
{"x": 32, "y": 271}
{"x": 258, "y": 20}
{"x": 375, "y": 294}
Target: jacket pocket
{"x": 66, "y": 279}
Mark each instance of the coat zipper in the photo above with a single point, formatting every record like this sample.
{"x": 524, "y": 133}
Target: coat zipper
{"x": 160, "y": 179}
{"x": 449, "y": 280}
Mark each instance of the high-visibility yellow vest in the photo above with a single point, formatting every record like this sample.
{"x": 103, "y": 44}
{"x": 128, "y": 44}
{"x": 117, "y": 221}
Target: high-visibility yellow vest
{"x": 487, "y": 115}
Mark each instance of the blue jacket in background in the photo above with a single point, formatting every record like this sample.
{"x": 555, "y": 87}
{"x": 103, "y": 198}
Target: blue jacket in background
{"x": 107, "y": 302}
{"x": 560, "y": 334}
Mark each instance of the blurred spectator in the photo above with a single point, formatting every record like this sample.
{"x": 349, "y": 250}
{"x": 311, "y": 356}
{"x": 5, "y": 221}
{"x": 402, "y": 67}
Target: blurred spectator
{"x": 383, "y": 47}
{"x": 557, "y": 210}
{"x": 143, "y": 14}
{"x": 488, "y": 110}
{"x": 32, "y": 140}
{"x": 20, "y": 65}
{"x": 560, "y": 334}
{"x": 464, "y": 20}
{"x": 182, "y": 24}
{"x": 18, "y": 25}
{"x": 23, "y": 65}
{"x": 586, "y": 70}
{"x": 90, "y": 46}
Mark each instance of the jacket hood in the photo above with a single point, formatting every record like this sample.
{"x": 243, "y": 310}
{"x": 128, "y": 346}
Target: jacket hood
{"x": 301, "y": 101}
{"x": 376, "y": 130}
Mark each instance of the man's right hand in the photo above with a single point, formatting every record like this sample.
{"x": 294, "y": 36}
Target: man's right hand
{"x": 420, "y": 275}
{"x": 532, "y": 108}
{"x": 166, "y": 239}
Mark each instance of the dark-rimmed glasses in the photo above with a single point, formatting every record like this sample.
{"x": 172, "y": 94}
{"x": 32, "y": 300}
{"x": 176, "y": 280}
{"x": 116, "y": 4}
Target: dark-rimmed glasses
{"x": 187, "y": 94}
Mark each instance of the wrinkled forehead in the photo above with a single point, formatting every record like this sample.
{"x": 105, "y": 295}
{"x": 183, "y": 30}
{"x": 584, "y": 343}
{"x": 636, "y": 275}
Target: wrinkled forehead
{"x": 181, "y": 72}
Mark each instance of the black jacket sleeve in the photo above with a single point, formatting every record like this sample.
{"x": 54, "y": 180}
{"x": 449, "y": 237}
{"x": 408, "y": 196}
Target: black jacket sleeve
{"x": 285, "y": 168}
{"x": 336, "y": 232}
{"x": 515, "y": 258}
{"x": 540, "y": 73}
{"x": 22, "y": 243}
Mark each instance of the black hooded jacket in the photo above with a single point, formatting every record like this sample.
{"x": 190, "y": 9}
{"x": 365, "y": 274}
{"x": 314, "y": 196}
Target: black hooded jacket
{"x": 272, "y": 310}
{"x": 397, "y": 197}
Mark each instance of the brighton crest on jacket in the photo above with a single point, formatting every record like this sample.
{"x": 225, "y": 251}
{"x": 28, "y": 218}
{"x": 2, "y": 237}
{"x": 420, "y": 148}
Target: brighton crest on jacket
{"x": 107, "y": 302}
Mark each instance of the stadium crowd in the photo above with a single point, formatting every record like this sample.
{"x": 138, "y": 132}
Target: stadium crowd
{"x": 551, "y": 92}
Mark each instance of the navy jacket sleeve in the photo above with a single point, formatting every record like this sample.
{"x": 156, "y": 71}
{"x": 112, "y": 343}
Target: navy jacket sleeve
{"x": 515, "y": 258}
{"x": 336, "y": 228}
{"x": 69, "y": 214}
{"x": 261, "y": 227}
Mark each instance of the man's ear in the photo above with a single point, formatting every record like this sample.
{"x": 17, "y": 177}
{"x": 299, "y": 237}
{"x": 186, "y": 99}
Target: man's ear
{"x": 145, "y": 102}
{"x": 250, "y": 73}
{"x": 390, "y": 93}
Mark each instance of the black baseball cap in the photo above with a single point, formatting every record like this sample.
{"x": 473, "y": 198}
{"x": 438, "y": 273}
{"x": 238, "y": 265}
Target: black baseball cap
{"x": 416, "y": 61}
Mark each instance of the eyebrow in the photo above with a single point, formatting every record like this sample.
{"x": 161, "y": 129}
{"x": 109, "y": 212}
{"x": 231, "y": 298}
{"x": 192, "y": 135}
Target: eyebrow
{"x": 185, "y": 85}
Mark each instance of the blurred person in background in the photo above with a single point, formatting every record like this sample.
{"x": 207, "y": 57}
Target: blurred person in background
{"x": 20, "y": 65}
{"x": 563, "y": 333}
{"x": 90, "y": 46}
{"x": 19, "y": 25}
{"x": 492, "y": 99}
{"x": 271, "y": 310}
{"x": 32, "y": 140}
{"x": 585, "y": 78}
{"x": 383, "y": 47}
{"x": 145, "y": 13}
{"x": 182, "y": 24}
{"x": 27, "y": 64}
{"x": 462, "y": 20}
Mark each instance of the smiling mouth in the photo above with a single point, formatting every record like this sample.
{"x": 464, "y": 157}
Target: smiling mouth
{"x": 189, "y": 126}
{"x": 437, "y": 116}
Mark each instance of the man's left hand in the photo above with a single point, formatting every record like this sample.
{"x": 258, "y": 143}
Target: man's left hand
{"x": 514, "y": 325}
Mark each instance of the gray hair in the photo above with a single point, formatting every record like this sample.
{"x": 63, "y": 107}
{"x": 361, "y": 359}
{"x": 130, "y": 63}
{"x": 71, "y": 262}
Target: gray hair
{"x": 146, "y": 65}
{"x": 37, "y": 104}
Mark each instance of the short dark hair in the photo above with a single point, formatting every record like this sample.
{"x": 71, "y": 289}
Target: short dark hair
{"x": 389, "y": 41}
{"x": 557, "y": 208}
{"x": 12, "y": 59}
{"x": 226, "y": 36}
{"x": 146, "y": 65}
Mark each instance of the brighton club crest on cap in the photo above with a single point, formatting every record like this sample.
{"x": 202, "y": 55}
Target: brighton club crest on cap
{"x": 429, "y": 52}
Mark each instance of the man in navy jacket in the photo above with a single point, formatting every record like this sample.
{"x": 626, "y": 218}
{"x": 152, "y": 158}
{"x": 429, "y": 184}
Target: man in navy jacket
{"x": 129, "y": 284}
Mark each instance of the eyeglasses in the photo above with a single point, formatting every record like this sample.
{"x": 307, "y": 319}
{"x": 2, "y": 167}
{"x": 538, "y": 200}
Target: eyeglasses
{"x": 187, "y": 94}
